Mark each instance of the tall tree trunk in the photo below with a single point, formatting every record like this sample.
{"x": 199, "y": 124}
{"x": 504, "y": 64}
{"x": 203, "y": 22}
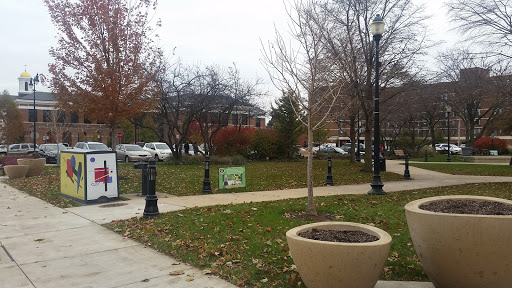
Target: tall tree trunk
{"x": 311, "y": 203}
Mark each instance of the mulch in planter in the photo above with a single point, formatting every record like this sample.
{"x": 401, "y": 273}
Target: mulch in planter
{"x": 468, "y": 207}
{"x": 346, "y": 236}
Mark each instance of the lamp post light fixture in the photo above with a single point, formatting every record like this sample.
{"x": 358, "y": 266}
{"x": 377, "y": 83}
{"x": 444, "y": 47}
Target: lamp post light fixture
{"x": 449, "y": 111}
{"x": 377, "y": 29}
{"x": 32, "y": 85}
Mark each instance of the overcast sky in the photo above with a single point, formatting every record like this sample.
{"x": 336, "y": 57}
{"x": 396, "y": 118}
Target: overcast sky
{"x": 203, "y": 31}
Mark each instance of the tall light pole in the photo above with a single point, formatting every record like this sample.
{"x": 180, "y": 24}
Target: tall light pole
{"x": 358, "y": 152}
{"x": 377, "y": 29}
{"x": 449, "y": 111}
{"x": 32, "y": 85}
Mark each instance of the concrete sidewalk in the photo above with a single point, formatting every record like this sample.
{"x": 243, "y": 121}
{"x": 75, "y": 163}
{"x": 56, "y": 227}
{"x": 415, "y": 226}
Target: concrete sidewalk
{"x": 45, "y": 246}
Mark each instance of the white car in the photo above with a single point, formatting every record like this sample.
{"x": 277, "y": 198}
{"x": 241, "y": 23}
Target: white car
{"x": 454, "y": 149}
{"x": 158, "y": 150}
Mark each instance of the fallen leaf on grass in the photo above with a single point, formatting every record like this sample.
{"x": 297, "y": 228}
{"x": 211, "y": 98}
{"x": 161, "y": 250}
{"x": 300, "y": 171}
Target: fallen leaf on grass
{"x": 207, "y": 271}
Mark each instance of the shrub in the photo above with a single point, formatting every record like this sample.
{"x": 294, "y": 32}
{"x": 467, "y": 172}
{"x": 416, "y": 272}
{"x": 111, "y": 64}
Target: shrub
{"x": 264, "y": 145}
{"x": 487, "y": 143}
{"x": 234, "y": 141}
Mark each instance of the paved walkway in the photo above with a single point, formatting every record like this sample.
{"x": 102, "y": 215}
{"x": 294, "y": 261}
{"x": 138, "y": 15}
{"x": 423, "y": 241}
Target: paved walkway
{"x": 45, "y": 246}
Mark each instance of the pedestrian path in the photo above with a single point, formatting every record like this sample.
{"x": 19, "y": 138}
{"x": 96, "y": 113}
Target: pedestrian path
{"x": 45, "y": 246}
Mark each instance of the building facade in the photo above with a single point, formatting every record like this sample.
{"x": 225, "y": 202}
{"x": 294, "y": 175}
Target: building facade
{"x": 54, "y": 125}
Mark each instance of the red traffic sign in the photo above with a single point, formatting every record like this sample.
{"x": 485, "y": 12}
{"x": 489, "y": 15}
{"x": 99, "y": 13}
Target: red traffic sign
{"x": 119, "y": 135}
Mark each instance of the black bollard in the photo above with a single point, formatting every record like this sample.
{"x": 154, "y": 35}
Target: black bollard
{"x": 406, "y": 171}
{"x": 151, "y": 209}
{"x": 426, "y": 156}
{"x": 207, "y": 188}
{"x": 328, "y": 181}
{"x": 510, "y": 162}
{"x": 144, "y": 168}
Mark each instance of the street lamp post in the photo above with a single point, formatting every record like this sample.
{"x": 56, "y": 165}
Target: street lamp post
{"x": 449, "y": 111}
{"x": 377, "y": 29}
{"x": 32, "y": 85}
{"x": 358, "y": 151}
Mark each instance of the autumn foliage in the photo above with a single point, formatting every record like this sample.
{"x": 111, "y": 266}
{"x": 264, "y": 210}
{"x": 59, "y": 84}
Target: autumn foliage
{"x": 105, "y": 61}
{"x": 249, "y": 142}
{"x": 487, "y": 143}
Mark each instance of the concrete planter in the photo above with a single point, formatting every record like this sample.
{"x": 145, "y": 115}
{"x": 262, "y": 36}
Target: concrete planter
{"x": 332, "y": 264}
{"x": 16, "y": 171}
{"x": 462, "y": 251}
{"x": 35, "y": 166}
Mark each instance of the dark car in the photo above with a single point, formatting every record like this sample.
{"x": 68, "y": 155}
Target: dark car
{"x": 51, "y": 152}
{"x": 330, "y": 149}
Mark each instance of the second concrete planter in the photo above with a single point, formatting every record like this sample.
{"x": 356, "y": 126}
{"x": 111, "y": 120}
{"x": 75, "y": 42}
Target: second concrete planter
{"x": 461, "y": 250}
{"x": 333, "y": 264}
{"x": 35, "y": 166}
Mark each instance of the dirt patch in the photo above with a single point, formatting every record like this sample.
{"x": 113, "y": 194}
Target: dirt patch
{"x": 346, "y": 236}
{"x": 468, "y": 207}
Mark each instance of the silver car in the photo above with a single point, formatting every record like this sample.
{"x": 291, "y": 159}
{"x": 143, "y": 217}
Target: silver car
{"x": 131, "y": 152}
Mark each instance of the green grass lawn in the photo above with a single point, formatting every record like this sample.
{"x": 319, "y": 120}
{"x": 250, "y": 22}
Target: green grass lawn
{"x": 246, "y": 244}
{"x": 182, "y": 180}
{"x": 467, "y": 169}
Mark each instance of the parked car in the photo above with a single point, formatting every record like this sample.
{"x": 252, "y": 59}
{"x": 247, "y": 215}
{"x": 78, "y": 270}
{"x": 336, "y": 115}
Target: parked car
{"x": 346, "y": 147}
{"x": 95, "y": 146}
{"x": 51, "y": 152}
{"x": 22, "y": 148}
{"x": 3, "y": 149}
{"x": 330, "y": 149}
{"x": 158, "y": 150}
{"x": 131, "y": 152}
{"x": 443, "y": 148}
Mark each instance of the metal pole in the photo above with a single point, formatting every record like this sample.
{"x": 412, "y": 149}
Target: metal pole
{"x": 407, "y": 176}
{"x": 448, "y": 159}
{"x": 207, "y": 188}
{"x": 328, "y": 181}
{"x": 34, "y": 82}
{"x": 426, "y": 156}
{"x": 151, "y": 209}
{"x": 358, "y": 152}
{"x": 376, "y": 182}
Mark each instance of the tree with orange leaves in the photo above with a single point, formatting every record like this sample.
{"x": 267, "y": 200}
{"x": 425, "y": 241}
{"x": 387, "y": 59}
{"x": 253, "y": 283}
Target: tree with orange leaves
{"x": 105, "y": 60}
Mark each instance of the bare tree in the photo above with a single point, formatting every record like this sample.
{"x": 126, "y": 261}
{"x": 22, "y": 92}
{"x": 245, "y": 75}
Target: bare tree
{"x": 474, "y": 94}
{"x": 206, "y": 97}
{"x": 302, "y": 69}
{"x": 487, "y": 22}
{"x": 351, "y": 44}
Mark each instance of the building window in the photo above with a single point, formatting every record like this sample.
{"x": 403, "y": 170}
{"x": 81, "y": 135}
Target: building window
{"x": 47, "y": 116}
{"x": 87, "y": 121}
{"x": 234, "y": 119}
{"x": 74, "y": 117}
{"x": 26, "y": 86}
{"x": 258, "y": 122}
{"x": 244, "y": 119}
{"x": 61, "y": 116}
{"x": 32, "y": 115}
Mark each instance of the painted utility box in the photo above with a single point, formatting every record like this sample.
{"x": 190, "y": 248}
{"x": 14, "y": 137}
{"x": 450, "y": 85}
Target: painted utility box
{"x": 89, "y": 176}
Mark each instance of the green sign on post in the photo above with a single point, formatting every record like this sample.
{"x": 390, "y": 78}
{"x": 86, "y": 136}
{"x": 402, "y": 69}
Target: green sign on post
{"x": 231, "y": 177}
